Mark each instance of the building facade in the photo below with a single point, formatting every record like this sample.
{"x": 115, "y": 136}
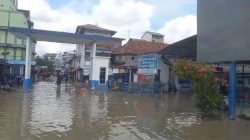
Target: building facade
{"x": 153, "y": 37}
{"x": 13, "y": 48}
{"x": 96, "y": 53}
{"x": 128, "y": 61}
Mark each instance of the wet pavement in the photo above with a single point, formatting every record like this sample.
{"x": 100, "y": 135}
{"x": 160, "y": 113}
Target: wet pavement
{"x": 45, "y": 114}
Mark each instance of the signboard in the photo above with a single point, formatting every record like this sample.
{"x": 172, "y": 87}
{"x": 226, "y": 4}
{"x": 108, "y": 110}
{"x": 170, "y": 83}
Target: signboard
{"x": 223, "y": 30}
{"x": 148, "y": 61}
{"x": 147, "y": 64}
{"x": 147, "y": 71}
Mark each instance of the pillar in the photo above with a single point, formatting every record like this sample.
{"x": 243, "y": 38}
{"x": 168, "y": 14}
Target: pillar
{"x": 92, "y": 80}
{"x": 82, "y": 62}
{"x": 27, "y": 80}
{"x": 232, "y": 89}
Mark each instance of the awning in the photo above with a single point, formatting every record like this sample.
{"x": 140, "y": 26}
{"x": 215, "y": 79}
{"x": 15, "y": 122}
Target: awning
{"x": 19, "y": 62}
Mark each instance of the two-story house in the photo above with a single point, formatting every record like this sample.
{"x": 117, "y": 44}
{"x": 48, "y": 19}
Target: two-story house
{"x": 98, "y": 74}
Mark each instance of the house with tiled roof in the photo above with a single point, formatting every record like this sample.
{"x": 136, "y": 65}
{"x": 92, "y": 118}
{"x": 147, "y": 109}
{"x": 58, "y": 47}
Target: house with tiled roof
{"x": 126, "y": 59}
{"x": 129, "y": 52}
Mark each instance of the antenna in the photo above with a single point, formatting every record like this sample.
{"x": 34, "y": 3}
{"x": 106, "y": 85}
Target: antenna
{"x": 129, "y": 32}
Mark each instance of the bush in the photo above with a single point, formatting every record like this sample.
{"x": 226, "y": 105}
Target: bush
{"x": 204, "y": 82}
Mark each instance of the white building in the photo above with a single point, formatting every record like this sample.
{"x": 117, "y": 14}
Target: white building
{"x": 153, "y": 37}
{"x": 98, "y": 54}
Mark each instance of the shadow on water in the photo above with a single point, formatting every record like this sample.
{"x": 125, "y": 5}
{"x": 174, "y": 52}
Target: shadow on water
{"x": 45, "y": 113}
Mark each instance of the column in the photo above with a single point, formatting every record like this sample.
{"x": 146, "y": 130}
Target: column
{"x": 232, "y": 89}
{"x": 82, "y": 61}
{"x": 27, "y": 80}
{"x": 92, "y": 81}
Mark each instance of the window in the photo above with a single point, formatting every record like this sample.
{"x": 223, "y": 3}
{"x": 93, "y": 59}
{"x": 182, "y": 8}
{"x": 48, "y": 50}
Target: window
{"x": 102, "y": 75}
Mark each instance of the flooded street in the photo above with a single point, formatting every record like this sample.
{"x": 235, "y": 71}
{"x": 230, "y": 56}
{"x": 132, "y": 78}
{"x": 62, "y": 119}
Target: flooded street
{"x": 45, "y": 114}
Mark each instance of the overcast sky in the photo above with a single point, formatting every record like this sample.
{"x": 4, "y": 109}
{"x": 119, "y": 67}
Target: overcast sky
{"x": 176, "y": 19}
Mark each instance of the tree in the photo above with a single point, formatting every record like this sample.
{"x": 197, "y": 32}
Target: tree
{"x": 205, "y": 84}
{"x": 44, "y": 61}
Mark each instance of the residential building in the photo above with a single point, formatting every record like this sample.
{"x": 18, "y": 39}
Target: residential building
{"x": 126, "y": 59}
{"x": 98, "y": 73}
{"x": 153, "y": 37}
{"x": 13, "y": 48}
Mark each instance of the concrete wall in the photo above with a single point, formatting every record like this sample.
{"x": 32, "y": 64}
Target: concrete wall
{"x": 223, "y": 30}
{"x": 100, "y": 62}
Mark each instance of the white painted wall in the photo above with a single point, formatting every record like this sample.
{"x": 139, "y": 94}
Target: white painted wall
{"x": 100, "y": 62}
{"x": 147, "y": 37}
{"x": 82, "y": 56}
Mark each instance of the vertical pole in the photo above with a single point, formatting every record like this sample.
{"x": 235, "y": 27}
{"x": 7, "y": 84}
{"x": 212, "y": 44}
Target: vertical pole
{"x": 92, "y": 67}
{"x": 82, "y": 61}
{"x": 232, "y": 89}
{"x": 27, "y": 81}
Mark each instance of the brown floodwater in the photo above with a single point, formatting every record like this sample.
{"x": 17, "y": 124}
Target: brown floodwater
{"x": 45, "y": 114}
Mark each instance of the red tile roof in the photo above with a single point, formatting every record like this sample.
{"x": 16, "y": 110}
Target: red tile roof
{"x": 138, "y": 46}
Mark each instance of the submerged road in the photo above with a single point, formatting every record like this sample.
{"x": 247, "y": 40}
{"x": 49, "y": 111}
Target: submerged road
{"x": 45, "y": 114}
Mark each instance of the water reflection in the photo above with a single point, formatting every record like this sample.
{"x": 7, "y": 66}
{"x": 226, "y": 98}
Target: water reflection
{"x": 45, "y": 113}
{"x": 49, "y": 111}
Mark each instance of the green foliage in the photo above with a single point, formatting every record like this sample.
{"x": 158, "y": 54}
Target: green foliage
{"x": 205, "y": 84}
{"x": 40, "y": 61}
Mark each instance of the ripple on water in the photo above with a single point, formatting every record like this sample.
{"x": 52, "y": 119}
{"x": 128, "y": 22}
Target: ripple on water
{"x": 49, "y": 114}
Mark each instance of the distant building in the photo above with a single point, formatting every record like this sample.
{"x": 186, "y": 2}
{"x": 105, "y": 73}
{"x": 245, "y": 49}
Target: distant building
{"x": 50, "y": 56}
{"x": 13, "y": 48}
{"x": 153, "y": 37}
{"x": 98, "y": 75}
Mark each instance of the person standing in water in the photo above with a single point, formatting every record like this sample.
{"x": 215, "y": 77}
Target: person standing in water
{"x": 59, "y": 81}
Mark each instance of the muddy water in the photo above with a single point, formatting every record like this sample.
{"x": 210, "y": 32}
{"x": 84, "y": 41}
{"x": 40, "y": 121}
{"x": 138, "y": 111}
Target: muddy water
{"x": 45, "y": 114}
